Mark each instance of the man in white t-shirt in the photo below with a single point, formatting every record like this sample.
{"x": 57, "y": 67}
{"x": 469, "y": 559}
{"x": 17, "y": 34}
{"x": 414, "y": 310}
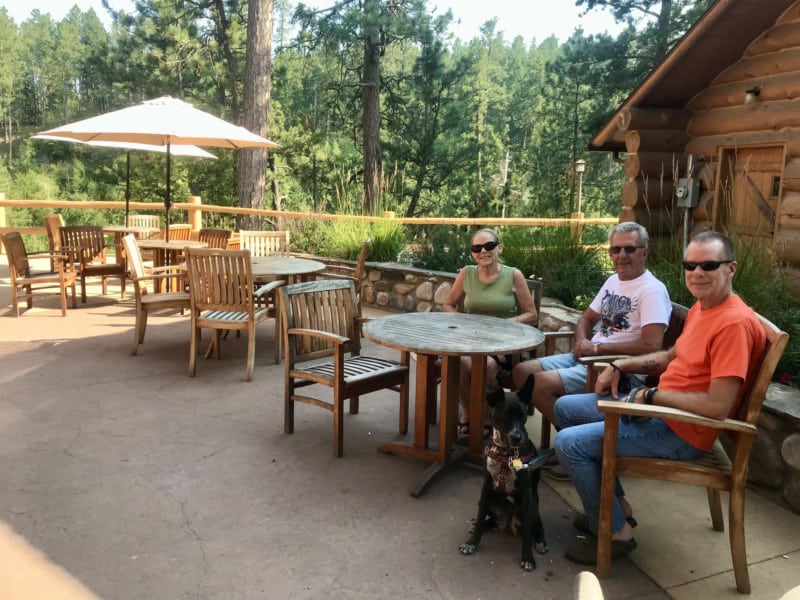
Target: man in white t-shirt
{"x": 631, "y": 312}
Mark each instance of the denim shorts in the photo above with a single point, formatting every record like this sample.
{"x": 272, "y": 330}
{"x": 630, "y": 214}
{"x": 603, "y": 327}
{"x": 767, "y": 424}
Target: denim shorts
{"x": 571, "y": 372}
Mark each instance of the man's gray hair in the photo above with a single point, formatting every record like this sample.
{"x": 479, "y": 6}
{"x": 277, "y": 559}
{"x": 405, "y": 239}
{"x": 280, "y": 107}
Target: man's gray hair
{"x": 708, "y": 237}
{"x": 629, "y": 227}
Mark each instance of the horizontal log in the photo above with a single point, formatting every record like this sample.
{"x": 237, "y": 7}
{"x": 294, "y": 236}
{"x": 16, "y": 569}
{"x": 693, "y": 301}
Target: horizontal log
{"x": 707, "y": 174}
{"x": 653, "y": 193}
{"x": 773, "y": 88}
{"x": 656, "y": 140}
{"x": 759, "y": 116}
{"x": 668, "y": 165}
{"x": 659, "y": 223}
{"x": 703, "y": 210}
{"x": 791, "y": 175}
{"x": 708, "y": 146}
{"x": 652, "y": 118}
{"x": 792, "y": 14}
{"x": 790, "y": 205}
{"x": 774, "y": 39}
{"x": 787, "y": 245}
{"x": 785, "y": 61}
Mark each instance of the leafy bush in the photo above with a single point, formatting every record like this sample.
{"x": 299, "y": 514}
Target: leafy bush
{"x": 343, "y": 238}
{"x": 761, "y": 281}
{"x": 440, "y": 248}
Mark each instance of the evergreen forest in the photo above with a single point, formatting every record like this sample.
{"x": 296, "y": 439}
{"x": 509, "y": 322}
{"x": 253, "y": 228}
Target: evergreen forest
{"x": 376, "y": 104}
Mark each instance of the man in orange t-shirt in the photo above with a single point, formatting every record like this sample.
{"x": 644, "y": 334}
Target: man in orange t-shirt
{"x": 707, "y": 372}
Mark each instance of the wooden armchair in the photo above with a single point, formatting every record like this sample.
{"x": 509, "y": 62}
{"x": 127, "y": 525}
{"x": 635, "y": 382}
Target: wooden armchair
{"x": 215, "y": 238}
{"x": 221, "y": 291}
{"x": 321, "y": 319}
{"x": 265, "y": 243}
{"x": 147, "y": 301}
{"x": 86, "y": 247}
{"x": 715, "y": 471}
{"x": 151, "y": 221}
{"x": 180, "y": 231}
{"x": 25, "y": 284}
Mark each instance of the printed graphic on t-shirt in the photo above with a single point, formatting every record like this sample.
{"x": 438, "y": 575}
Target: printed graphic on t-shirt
{"x": 614, "y": 311}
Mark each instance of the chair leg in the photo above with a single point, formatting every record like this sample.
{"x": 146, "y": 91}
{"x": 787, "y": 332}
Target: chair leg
{"x": 338, "y": 424}
{"x": 83, "y": 289}
{"x": 63, "y": 299}
{"x": 545, "y": 435}
{"x": 288, "y": 404}
{"x": 137, "y": 335}
{"x": 251, "y": 351}
{"x": 738, "y": 549}
{"x": 403, "y": 425}
{"x": 715, "y": 508}
{"x": 193, "y": 350}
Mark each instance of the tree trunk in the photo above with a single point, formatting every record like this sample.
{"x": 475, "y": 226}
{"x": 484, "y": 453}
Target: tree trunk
{"x": 252, "y": 162}
{"x": 371, "y": 125}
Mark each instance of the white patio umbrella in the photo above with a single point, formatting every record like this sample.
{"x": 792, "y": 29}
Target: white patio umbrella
{"x": 164, "y": 121}
{"x": 176, "y": 150}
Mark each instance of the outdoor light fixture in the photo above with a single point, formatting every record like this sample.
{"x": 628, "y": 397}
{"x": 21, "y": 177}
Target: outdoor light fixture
{"x": 751, "y": 94}
{"x": 580, "y": 169}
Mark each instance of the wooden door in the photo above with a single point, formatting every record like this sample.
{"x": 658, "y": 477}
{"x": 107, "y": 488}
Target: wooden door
{"x": 749, "y": 188}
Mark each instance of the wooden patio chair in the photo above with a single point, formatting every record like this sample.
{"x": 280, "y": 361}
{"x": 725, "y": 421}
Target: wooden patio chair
{"x": 25, "y": 284}
{"x": 215, "y": 238}
{"x": 52, "y": 223}
{"x": 151, "y": 221}
{"x": 222, "y": 298}
{"x": 595, "y": 364}
{"x": 265, "y": 243}
{"x": 716, "y": 470}
{"x": 355, "y": 273}
{"x": 146, "y": 300}
{"x": 321, "y": 320}
{"x": 180, "y": 231}
{"x": 86, "y": 247}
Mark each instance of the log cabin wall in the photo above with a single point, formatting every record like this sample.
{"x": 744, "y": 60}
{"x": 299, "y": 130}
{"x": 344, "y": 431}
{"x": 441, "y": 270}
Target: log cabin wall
{"x": 719, "y": 120}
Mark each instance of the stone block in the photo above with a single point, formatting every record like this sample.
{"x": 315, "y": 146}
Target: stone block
{"x": 424, "y": 307}
{"x": 790, "y": 451}
{"x": 403, "y": 289}
{"x": 766, "y": 466}
{"x": 791, "y": 490}
{"x": 382, "y": 299}
{"x": 425, "y": 291}
{"x": 441, "y": 292}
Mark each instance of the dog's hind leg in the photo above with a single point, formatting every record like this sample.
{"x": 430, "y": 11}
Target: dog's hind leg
{"x": 471, "y": 545}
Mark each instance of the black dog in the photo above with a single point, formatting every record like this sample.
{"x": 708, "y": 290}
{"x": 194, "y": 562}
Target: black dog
{"x": 510, "y": 494}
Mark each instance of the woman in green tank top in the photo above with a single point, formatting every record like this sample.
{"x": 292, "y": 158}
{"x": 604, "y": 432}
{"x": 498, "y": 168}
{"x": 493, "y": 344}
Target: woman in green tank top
{"x": 487, "y": 288}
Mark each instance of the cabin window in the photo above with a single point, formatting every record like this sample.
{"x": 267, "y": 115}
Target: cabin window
{"x": 776, "y": 186}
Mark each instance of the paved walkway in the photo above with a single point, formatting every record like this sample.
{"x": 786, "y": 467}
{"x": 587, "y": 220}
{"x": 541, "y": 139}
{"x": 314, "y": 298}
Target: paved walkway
{"x": 145, "y": 483}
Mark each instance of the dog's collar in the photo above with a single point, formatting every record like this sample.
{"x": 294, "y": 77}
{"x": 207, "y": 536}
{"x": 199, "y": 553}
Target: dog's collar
{"x": 508, "y": 455}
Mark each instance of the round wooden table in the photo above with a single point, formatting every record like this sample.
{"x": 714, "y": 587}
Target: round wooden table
{"x": 451, "y": 336}
{"x": 279, "y": 267}
{"x": 167, "y": 253}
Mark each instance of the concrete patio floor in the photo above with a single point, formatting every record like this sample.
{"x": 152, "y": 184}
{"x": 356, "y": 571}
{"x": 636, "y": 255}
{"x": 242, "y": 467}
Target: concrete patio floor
{"x": 145, "y": 483}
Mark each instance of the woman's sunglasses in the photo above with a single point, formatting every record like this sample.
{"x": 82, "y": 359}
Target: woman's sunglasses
{"x": 488, "y": 246}
{"x": 706, "y": 265}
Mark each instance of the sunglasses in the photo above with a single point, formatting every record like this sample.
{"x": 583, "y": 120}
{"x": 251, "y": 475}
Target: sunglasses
{"x": 628, "y": 249}
{"x": 488, "y": 246}
{"x": 706, "y": 265}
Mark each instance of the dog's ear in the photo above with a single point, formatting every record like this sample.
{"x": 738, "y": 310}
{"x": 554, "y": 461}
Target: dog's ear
{"x": 526, "y": 391}
{"x": 494, "y": 394}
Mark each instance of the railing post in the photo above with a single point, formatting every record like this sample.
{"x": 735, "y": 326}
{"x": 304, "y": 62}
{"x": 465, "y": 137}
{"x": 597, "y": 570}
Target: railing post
{"x": 194, "y": 214}
{"x": 576, "y": 229}
{"x": 2, "y": 221}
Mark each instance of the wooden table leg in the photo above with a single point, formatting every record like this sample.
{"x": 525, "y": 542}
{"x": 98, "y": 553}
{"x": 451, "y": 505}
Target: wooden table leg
{"x": 477, "y": 407}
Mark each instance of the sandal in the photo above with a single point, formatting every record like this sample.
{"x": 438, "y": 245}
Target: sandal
{"x": 463, "y": 428}
{"x": 581, "y": 523}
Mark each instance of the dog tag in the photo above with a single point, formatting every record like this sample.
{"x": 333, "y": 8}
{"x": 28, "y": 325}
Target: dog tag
{"x": 517, "y": 464}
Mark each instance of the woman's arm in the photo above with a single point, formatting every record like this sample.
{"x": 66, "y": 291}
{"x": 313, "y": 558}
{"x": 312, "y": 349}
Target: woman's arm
{"x": 527, "y": 307}
{"x": 455, "y": 295}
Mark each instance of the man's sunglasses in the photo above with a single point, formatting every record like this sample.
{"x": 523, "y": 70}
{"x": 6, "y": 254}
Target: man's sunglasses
{"x": 488, "y": 246}
{"x": 706, "y": 265}
{"x": 628, "y": 249}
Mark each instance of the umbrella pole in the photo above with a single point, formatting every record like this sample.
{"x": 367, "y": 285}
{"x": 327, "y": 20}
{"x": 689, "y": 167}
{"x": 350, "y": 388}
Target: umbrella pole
{"x": 127, "y": 183}
{"x": 167, "y": 199}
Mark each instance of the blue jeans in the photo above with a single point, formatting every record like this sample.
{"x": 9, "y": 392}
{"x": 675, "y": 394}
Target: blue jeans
{"x": 579, "y": 447}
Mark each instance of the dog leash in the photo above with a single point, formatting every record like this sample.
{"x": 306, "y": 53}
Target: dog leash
{"x": 536, "y": 463}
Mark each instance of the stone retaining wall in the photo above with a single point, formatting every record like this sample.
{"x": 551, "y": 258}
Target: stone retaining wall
{"x": 775, "y": 461}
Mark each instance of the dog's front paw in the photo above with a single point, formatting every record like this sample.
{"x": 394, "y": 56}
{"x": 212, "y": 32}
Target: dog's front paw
{"x": 527, "y": 565}
{"x": 542, "y": 547}
{"x": 467, "y": 548}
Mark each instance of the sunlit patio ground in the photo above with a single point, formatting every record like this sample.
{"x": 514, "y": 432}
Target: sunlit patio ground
{"x": 145, "y": 483}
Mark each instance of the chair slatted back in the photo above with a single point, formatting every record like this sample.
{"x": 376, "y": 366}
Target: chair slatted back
{"x": 215, "y": 238}
{"x": 328, "y": 305}
{"x": 750, "y": 408}
{"x": 152, "y": 221}
{"x": 180, "y": 231}
{"x": 85, "y": 243}
{"x": 265, "y": 243}
{"x": 220, "y": 280}
{"x": 18, "y": 265}
{"x": 52, "y": 223}
{"x": 135, "y": 262}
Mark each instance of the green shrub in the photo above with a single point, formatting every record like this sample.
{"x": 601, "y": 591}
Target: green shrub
{"x": 440, "y": 248}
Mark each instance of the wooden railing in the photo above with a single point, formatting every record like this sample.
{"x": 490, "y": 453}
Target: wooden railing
{"x": 195, "y": 209}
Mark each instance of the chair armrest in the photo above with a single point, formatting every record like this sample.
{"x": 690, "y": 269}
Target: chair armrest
{"x": 559, "y": 335}
{"x": 322, "y": 335}
{"x": 268, "y": 287}
{"x": 674, "y": 414}
{"x": 601, "y": 358}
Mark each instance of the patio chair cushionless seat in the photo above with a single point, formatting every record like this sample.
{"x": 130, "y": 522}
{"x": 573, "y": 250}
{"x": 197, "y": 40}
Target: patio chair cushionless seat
{"x": 25, "y": 284}
{"x": 321, "y": 319}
